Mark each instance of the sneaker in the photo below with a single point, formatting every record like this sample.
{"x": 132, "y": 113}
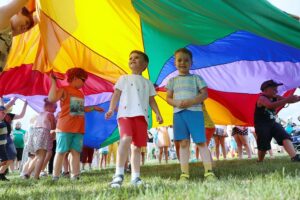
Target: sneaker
{"x": 25, "y": 176}
{"x": 43, "y": 174}
{"x": 117, "y": 181}
{"x": 55, "y": 178}
{"x": 184, "y": 177}
{"x": 137, "y": 182}
{"x": 65, "y": 174}
{"x": 3, "y": 177}
{"x": 296, "y": 158}
{"x": 210, "y": 176}
{"x": 75, "y": 178}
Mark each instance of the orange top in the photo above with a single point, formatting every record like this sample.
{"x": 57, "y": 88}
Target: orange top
{"x": 71, "y": 117}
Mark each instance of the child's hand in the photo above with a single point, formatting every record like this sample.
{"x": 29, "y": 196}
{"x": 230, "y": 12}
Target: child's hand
{"x": 99, "y": 109}
{"x": 177, "y": 103}
{"x": 186, "y": 103}
{"x": 293, "y": 99}
{"x": 159, "y": 119}
{"x": 52, "y": 133}
{"x": 109, "y": 114}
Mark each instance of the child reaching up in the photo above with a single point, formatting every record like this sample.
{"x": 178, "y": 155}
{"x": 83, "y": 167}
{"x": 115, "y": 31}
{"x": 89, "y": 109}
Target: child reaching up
{"x": 186, "y": 93}
{"x": 135, "y": 93}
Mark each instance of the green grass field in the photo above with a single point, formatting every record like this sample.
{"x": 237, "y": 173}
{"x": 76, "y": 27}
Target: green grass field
{"x": 274, "y": 179}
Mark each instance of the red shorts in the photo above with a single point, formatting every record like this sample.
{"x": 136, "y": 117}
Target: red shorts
{"x": 209, "y": 132}
{"x": 135, "y": 127}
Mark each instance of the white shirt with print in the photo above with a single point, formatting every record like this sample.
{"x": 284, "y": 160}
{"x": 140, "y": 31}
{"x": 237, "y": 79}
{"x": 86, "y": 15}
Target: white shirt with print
{"x": 134, "y": 100}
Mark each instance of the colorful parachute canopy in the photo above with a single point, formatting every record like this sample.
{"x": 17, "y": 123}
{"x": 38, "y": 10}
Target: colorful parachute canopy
{"x": 236, "y": 46}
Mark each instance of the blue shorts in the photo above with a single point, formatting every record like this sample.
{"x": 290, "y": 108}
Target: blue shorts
{"x": 189, "y": 124}
{"x": 67, "y": 141}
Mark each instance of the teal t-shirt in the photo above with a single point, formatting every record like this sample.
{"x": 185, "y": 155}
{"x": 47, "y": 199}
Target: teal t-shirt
{"x": 186, "y": 87}
{"x": 19, "y": 138}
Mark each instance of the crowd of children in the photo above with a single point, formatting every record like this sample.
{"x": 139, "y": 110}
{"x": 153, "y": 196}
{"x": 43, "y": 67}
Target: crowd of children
{"x": 192, "y": 125}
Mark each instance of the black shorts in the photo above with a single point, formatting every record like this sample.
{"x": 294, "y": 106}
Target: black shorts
{"x": 19, "y": 153}
{"x": 3, "y": 155}
{"x": 265, "y": 134}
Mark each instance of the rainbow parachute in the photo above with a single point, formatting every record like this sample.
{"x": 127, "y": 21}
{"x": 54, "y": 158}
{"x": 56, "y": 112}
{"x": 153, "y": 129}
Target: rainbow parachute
{"x": 236, "y": 46}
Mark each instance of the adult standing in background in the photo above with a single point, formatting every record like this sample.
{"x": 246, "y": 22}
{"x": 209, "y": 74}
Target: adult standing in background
{"x": 18, "y": 138}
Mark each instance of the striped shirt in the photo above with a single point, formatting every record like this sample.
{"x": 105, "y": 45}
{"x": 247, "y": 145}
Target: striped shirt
{"x": 186, "y": 87}
{"x": 3, "y": 133}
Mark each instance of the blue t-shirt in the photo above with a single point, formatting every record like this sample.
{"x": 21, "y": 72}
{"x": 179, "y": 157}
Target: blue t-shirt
{"x": 186, "y": 87}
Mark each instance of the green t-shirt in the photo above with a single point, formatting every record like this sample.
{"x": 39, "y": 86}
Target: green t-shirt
{"x": 19, "y": 138}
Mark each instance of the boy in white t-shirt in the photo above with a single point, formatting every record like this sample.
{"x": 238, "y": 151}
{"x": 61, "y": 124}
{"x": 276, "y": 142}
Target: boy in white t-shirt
{"x": 135, "y": 94}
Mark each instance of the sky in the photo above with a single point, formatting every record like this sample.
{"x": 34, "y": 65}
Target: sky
{"x": 293, "y": 110}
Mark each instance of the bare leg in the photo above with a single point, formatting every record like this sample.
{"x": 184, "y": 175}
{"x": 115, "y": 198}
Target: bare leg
{"x": 58, "y": 161}
{"x": 75, "y": 163}
{"x": 184, "y": 156}
{"x": 40, "y": 155}
{"x": 122, "y": 154}
{"x": 177, "y": 147}
{"x": 239, "y": 146}
{"x": 222, "y": 142}
{"x": 46, "y": 160}
{"x": 166, "y": 154}
{"x": 261, "y": 155}
{"x": 288, "y": 146}
{"x": 217, "y": 140}
{"x": 160, "y": 154}
{"x": 197, "y": 152}
{"x": 245, "y": 142}
{"x": 105, "y": 159}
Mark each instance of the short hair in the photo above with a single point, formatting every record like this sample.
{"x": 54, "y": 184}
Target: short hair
{"x": 146, "y": 58}
{"x": 47, "y": 102}
{"x": 184, "y": 50}
{"x": 76, "y": 72}
{"x": 28, "y": 14}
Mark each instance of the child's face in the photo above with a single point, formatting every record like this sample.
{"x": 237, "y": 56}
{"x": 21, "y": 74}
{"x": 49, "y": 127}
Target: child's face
{"x": 183, "y": 63}
{"x": 137, "y": 63}
{"x": 78, "y": 82}
{"x": 271, "y": 92}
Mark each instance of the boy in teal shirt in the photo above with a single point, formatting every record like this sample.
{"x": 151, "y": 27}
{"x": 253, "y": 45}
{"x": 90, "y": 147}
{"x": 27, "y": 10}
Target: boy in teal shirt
{"x": 186, "y": 93}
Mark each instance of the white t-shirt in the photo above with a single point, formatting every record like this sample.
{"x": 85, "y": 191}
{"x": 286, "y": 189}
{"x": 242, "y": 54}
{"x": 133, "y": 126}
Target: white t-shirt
{"x": 134, "y": 100}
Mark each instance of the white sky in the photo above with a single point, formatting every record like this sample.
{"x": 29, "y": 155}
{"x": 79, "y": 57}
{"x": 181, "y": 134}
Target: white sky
{"x": 293, "y": 110}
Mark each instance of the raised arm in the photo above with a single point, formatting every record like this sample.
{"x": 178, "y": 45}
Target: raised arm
{"x": 264, "y": 101}
{"x": 21, "y": 115}
{"x": 8, "y": 10}
{"x": 11, "y": 103}
{"x": 54, "y": 94}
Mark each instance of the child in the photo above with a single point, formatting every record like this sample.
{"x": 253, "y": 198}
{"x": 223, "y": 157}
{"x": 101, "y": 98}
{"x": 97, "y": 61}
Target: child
{"x": 40, "y": 141}
{"x": 265, "y": 123}
{"x": 135, "y": 94}
{"x": 87, "y": 155}
{"x": 70, "y": 123}
{"x": 103, "y": 159}
{"x": 3, "y": 132}
{"x": 186, "y": 93}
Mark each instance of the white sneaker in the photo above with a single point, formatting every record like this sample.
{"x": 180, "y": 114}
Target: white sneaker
{"x": 117, "y": 181}
{"x": 137, "y": 182}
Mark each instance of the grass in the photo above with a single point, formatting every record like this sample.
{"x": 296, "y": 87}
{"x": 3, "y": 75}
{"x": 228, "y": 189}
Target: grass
{"x": 245, "y": 179}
